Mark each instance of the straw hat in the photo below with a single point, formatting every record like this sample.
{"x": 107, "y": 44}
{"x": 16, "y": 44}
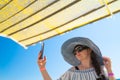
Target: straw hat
{"x": 68, "y": 46}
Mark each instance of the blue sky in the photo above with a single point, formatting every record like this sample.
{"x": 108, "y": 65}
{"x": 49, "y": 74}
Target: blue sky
{"x": 17, "y": 63}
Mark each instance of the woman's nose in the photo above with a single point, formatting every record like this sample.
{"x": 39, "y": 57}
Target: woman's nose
{"x": 78, "y": 53}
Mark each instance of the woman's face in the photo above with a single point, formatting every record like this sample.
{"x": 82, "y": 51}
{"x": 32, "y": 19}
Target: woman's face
{"x": 83, "y": 54}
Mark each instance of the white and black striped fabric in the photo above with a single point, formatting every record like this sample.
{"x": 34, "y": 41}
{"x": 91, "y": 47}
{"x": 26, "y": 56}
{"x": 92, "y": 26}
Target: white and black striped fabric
{"x": 88, "y": 74}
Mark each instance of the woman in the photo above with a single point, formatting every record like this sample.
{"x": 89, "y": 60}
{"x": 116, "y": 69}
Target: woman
{"x": 86, "y": 59}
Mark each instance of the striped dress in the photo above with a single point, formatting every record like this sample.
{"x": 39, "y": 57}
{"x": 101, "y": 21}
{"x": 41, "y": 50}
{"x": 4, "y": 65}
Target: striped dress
{"x": 71, "y": 74}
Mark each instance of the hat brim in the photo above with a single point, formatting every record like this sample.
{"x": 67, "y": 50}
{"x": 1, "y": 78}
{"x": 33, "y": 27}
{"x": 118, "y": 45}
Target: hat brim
{"x": 68, "y": 46}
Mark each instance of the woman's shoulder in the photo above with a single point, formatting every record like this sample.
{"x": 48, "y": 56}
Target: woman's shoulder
{"x": 71, "y": 69}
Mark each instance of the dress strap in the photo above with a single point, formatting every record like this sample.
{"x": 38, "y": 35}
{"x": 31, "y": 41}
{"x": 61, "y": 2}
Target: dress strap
{"x": 76, "y": 68}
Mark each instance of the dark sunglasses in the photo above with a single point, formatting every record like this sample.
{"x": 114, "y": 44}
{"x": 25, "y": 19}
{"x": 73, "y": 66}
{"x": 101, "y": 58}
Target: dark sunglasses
{"x": 79, "y": 48}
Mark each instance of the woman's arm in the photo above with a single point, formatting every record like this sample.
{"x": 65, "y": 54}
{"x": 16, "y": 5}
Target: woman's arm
{"x": 41, "y": 64}
{"x": 110, "y": 74}
{"x": 107, "y": 63}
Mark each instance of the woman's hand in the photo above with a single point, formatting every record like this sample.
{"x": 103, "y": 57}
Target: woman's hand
{"x": 41, "y": 62}
{"x": 107, "y": 63}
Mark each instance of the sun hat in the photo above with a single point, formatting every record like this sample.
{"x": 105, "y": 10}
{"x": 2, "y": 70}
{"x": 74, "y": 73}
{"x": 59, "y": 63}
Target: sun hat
{"x": 68, "y": 46}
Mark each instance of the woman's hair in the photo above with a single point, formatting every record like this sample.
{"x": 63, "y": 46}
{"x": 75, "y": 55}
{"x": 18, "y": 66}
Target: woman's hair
{"x": 97, "y": 66}
{"x": 95, "y": 61}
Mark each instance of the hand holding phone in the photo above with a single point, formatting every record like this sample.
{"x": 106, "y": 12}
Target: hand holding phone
{"x": 41, "y": 59}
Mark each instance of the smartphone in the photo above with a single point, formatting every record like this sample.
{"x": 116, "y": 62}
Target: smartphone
{"x": 41, "y": 51}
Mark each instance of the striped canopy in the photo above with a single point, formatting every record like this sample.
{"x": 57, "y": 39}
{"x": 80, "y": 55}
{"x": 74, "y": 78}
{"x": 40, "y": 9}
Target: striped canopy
{"x": 30, "y": 21}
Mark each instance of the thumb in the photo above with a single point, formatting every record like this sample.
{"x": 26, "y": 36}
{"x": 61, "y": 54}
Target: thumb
{"x": 45, "y": 58}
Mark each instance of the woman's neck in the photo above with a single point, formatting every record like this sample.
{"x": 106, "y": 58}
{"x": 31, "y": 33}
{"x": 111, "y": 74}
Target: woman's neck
{"x": 85, "y": 64}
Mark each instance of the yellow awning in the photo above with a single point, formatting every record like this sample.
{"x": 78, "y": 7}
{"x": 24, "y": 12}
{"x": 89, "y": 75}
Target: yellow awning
{"x": 31, "y": 21}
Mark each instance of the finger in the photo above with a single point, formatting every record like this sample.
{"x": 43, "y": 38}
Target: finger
{"x": 107, "y": 62}
{"x": 44, "y": 59}
{"x": 39, "y": 55}
{"x": 40, "y": 60}
{"x": 40, "y": 63}
{"x": 106, "y": 58}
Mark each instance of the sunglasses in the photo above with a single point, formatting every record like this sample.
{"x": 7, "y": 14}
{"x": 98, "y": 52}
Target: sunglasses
{"x": 79, "y": 48}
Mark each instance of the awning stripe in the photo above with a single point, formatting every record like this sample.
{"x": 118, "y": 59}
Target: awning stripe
{"x": 29, "y": 16}
{"x": 46, "y": 17}
{"x": 75, "y": 27}
{"x": 6, "y": 4}
{"x": 67, "y": 22}
{"x": 18, "y": 11}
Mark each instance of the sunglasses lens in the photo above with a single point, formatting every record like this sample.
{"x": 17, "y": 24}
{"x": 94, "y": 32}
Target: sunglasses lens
{"x": 79, "y": 49}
